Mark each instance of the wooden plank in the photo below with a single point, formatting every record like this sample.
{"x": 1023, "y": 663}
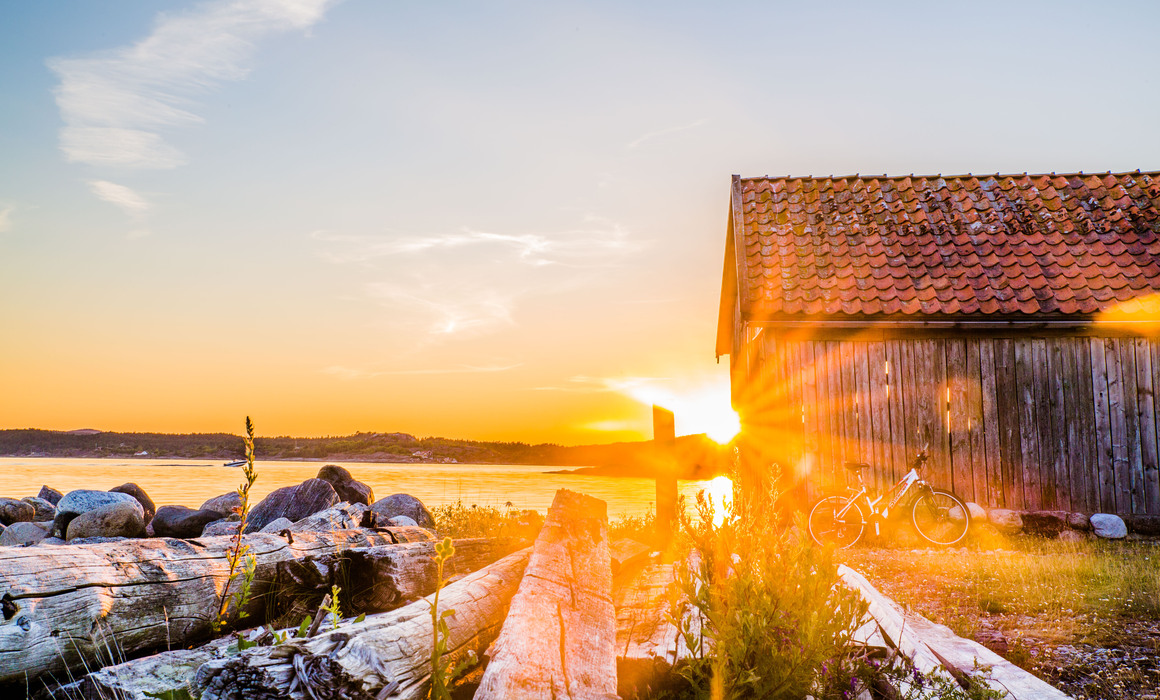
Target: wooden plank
{"x": 1146, "y": 407}
{"x": 940, "y": 435}
{"x": 959, "y": 426}
{"x": 1088, "y": 441}
{"x": 1121, "y": 469}
{"x": 911, "y": 420}
{"x": 796, "y": 466}
{"x": 1057, "y": 402}
{"x": 975, "y": 438}
{"x": 811, "y": 447}
{"x": 1126, "y": 349}
{"x": 990, "y": 431}
{"x": 1105, "y": 452}
{"x": 1010, "y": 446}
{"x": 1028, "y": 424}
{"x": 387, "y": 650}
{"x": 892, "y": 622}
{"x": 879, "y": 412}
{"x": 648, "y": 644}
{"x": 851, "y": 445}
{"x": 865, "y": 412}
{"x": 1041, "y": 389}
{"x": 897, "y": 407}
{"x": 1074, "y": 428}
{"x": 559, "y": 638}
{"x": 825, "y": 418}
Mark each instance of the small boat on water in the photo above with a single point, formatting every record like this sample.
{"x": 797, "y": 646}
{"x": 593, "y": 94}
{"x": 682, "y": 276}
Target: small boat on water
{"x": 236, "y": 463}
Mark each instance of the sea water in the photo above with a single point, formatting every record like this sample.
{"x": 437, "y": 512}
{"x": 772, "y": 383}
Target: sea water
{"x": 190, "y": 482}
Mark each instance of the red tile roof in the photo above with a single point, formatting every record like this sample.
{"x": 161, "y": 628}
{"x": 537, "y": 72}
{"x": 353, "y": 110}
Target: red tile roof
{"x": 918, "y": 246}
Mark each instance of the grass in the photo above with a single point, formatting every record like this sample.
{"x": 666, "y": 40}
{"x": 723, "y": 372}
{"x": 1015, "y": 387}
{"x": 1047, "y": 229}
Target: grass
{"x": 1056, "y": 604}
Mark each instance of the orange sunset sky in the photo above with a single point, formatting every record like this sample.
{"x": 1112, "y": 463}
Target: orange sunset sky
{"x": 474, "y": 220}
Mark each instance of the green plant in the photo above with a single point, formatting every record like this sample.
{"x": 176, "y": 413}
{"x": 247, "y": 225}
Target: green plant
{"x": 333, "y": 607}
{"x": 458, "y": 520}
{"x": 238, "y": 554}
{"x": 441, "y": 677}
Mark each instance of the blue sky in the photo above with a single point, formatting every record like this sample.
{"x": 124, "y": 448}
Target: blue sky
{"x": 490, "y": 220}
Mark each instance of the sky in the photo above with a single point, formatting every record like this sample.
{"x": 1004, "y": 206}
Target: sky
{"x": 483, "y": 220}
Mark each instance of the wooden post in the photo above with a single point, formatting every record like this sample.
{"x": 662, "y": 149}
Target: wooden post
{"x": 664, "y": 438}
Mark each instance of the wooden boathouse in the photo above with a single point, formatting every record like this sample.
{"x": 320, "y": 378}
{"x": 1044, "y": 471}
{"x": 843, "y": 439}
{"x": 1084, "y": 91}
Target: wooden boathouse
{"x": 1013, "y": 317}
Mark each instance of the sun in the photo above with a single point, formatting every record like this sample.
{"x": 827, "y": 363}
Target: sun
{"x": 704, "y": 408}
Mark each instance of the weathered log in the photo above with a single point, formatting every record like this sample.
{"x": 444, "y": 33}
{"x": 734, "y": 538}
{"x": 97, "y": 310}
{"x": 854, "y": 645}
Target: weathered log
{"x": 934, "y": 648}
{"x": 387, "y": 655}
{"x": 627, "y": 556}
{"x": 87, "y": 606}
{"x": 343, "y": 516}
{"x": 558, "y": 640}
{"x": 376, "y": 579}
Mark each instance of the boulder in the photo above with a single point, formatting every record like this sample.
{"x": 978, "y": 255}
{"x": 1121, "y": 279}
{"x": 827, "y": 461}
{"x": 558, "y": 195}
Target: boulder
{"x": 218, "y": 528}
{"x": 277, "y": 525}
{"x": 1079, "y": 521}
{"x": 1008, "y": 522}
{"x": 978, "y": 513}
{"x": 182, "y": 522}
{"x": 345, "y": 485}
{"x": 17, "y": 534}
{"x": 42, "y": 509}
{"x": 13, "y": 510}
{"x": 403, "y": 504}
{"x": 50, "y": 494}
{"x": 227, "y": 504}
{"x": 293, "y": 503}
{"x": 119, "y": 519}
{"x": 1109, "y": 527}
{"x": 81, "y": 501}
{"x": 1073, "y": 536}
{"x": 143, "y": 498}
{"x": 52, "y": 541}
{"x": 1045, "y": 523}
{"x": 1148, "y": 525}
{"x": 402, "y": 521}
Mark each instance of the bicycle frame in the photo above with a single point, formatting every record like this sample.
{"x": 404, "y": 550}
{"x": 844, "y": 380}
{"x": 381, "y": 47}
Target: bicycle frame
{"x": 895, "y": 492}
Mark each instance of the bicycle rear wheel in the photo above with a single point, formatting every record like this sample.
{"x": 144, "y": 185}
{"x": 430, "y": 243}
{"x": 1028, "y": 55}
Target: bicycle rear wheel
{"x": 940, "y": 517}
{"x": 827, "y": 527}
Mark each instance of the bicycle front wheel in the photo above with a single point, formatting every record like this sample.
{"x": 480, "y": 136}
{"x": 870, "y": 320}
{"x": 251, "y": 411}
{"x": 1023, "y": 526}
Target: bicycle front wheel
{"x": 941, "y": 517}
{"x": 830, "y": 525}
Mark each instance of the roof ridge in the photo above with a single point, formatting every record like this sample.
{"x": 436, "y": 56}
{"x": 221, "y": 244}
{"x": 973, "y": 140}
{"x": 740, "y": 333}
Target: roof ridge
{"x": 867, "y": 176}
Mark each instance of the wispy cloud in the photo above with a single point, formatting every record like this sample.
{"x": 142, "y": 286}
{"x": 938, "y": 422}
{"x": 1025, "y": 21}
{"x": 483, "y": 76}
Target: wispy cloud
{"x": 125, "y": 198}
{"x": 352, "y": 373}
{"x": 5, "y": 219}
{"x": 582, "y": 384}
{"x": 635, "y": 143}
{"x": 114, "y": 104}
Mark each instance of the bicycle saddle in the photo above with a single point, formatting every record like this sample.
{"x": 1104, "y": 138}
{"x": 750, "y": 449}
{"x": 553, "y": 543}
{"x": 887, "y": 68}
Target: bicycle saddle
{"x": 854, "y": 466}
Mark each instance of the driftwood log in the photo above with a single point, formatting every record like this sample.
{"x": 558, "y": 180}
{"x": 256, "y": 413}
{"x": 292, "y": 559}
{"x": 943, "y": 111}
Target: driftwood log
{"x": 558, "y": 640}
{"x": 387, "y": 655}
{"x": 935, "y": 649}
{"x": 75, "y": 607}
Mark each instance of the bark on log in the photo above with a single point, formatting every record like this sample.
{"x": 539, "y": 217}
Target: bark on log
{"x": 558, "y": 640}
{"x": 401, "y": 574}
{"x": 376, "y": 579}
{"x": 360, "y": 661}
{"x": 88, "y": 606}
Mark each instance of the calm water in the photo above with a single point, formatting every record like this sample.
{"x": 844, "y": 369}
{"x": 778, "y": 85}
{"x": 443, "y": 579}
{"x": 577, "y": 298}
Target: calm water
{"x": 192, "y": 482}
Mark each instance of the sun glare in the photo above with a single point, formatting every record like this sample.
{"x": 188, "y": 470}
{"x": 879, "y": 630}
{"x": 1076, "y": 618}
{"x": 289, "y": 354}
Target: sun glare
{"x": 719, "y": 491}
{"x": 703, "y": 409}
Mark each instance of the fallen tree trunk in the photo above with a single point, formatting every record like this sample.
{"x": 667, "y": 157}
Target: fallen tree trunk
{"x": 385, "y": 656}
{"x": 88, "y": 606}
{"x": 399, "y": 573}
{"x": 558, "y": 640}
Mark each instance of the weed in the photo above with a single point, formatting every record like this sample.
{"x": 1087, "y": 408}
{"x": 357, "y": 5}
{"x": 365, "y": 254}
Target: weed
{"x": 238, "y": 554}
{"x": 441, "y": 677}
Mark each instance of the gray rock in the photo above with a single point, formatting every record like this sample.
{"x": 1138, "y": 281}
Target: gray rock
{"x": 13, "y": 510}
{"x": 1109, "y": 527}
{"x": 277, "y": 525}
{"x": 402, "y": 521}
{"x": 96, "y": 540}
{"x": 293, "y": 503}
{"x": 118, "y": 519}
{"x": 1005, "y": 521}
{"x": 1148, "y": 525}
{"x": 81, "y": 501}
{"x": 1045, "y": 523}
{"x": 1079, "y": 521}
{"x": 50, "y": 494}
{"x": 17, "y": 534}
{"x": 52, "y": 541}
{"x": 143, "y": 498}
{"x": 182, "y": 522}
{"x": 344, "y": 516}
{"x": 42, "y": 509}
{"x": 227, "y": 504}
{"x": 1073, "y": 536}
{"x": 978, "y": 513}
{"x": 403, "y": 504}
{"x": 219, "y": 528}
{"x": 346, "y": 486}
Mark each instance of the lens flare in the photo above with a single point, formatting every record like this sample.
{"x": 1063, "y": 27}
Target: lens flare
{"x": 704, "y": 408}
{"x": 719, "y": 491}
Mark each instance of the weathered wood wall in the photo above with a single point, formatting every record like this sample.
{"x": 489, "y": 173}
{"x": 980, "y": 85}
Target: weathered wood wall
{"x": 1029, "y": 423}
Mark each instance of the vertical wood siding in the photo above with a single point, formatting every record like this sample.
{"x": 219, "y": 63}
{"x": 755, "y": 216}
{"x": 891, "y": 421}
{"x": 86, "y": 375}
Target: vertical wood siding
{"x": 1022, "y": 423}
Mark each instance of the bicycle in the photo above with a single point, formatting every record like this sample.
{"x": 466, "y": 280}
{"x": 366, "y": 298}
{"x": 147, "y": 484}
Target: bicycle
{"x": 939, "y": 516}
